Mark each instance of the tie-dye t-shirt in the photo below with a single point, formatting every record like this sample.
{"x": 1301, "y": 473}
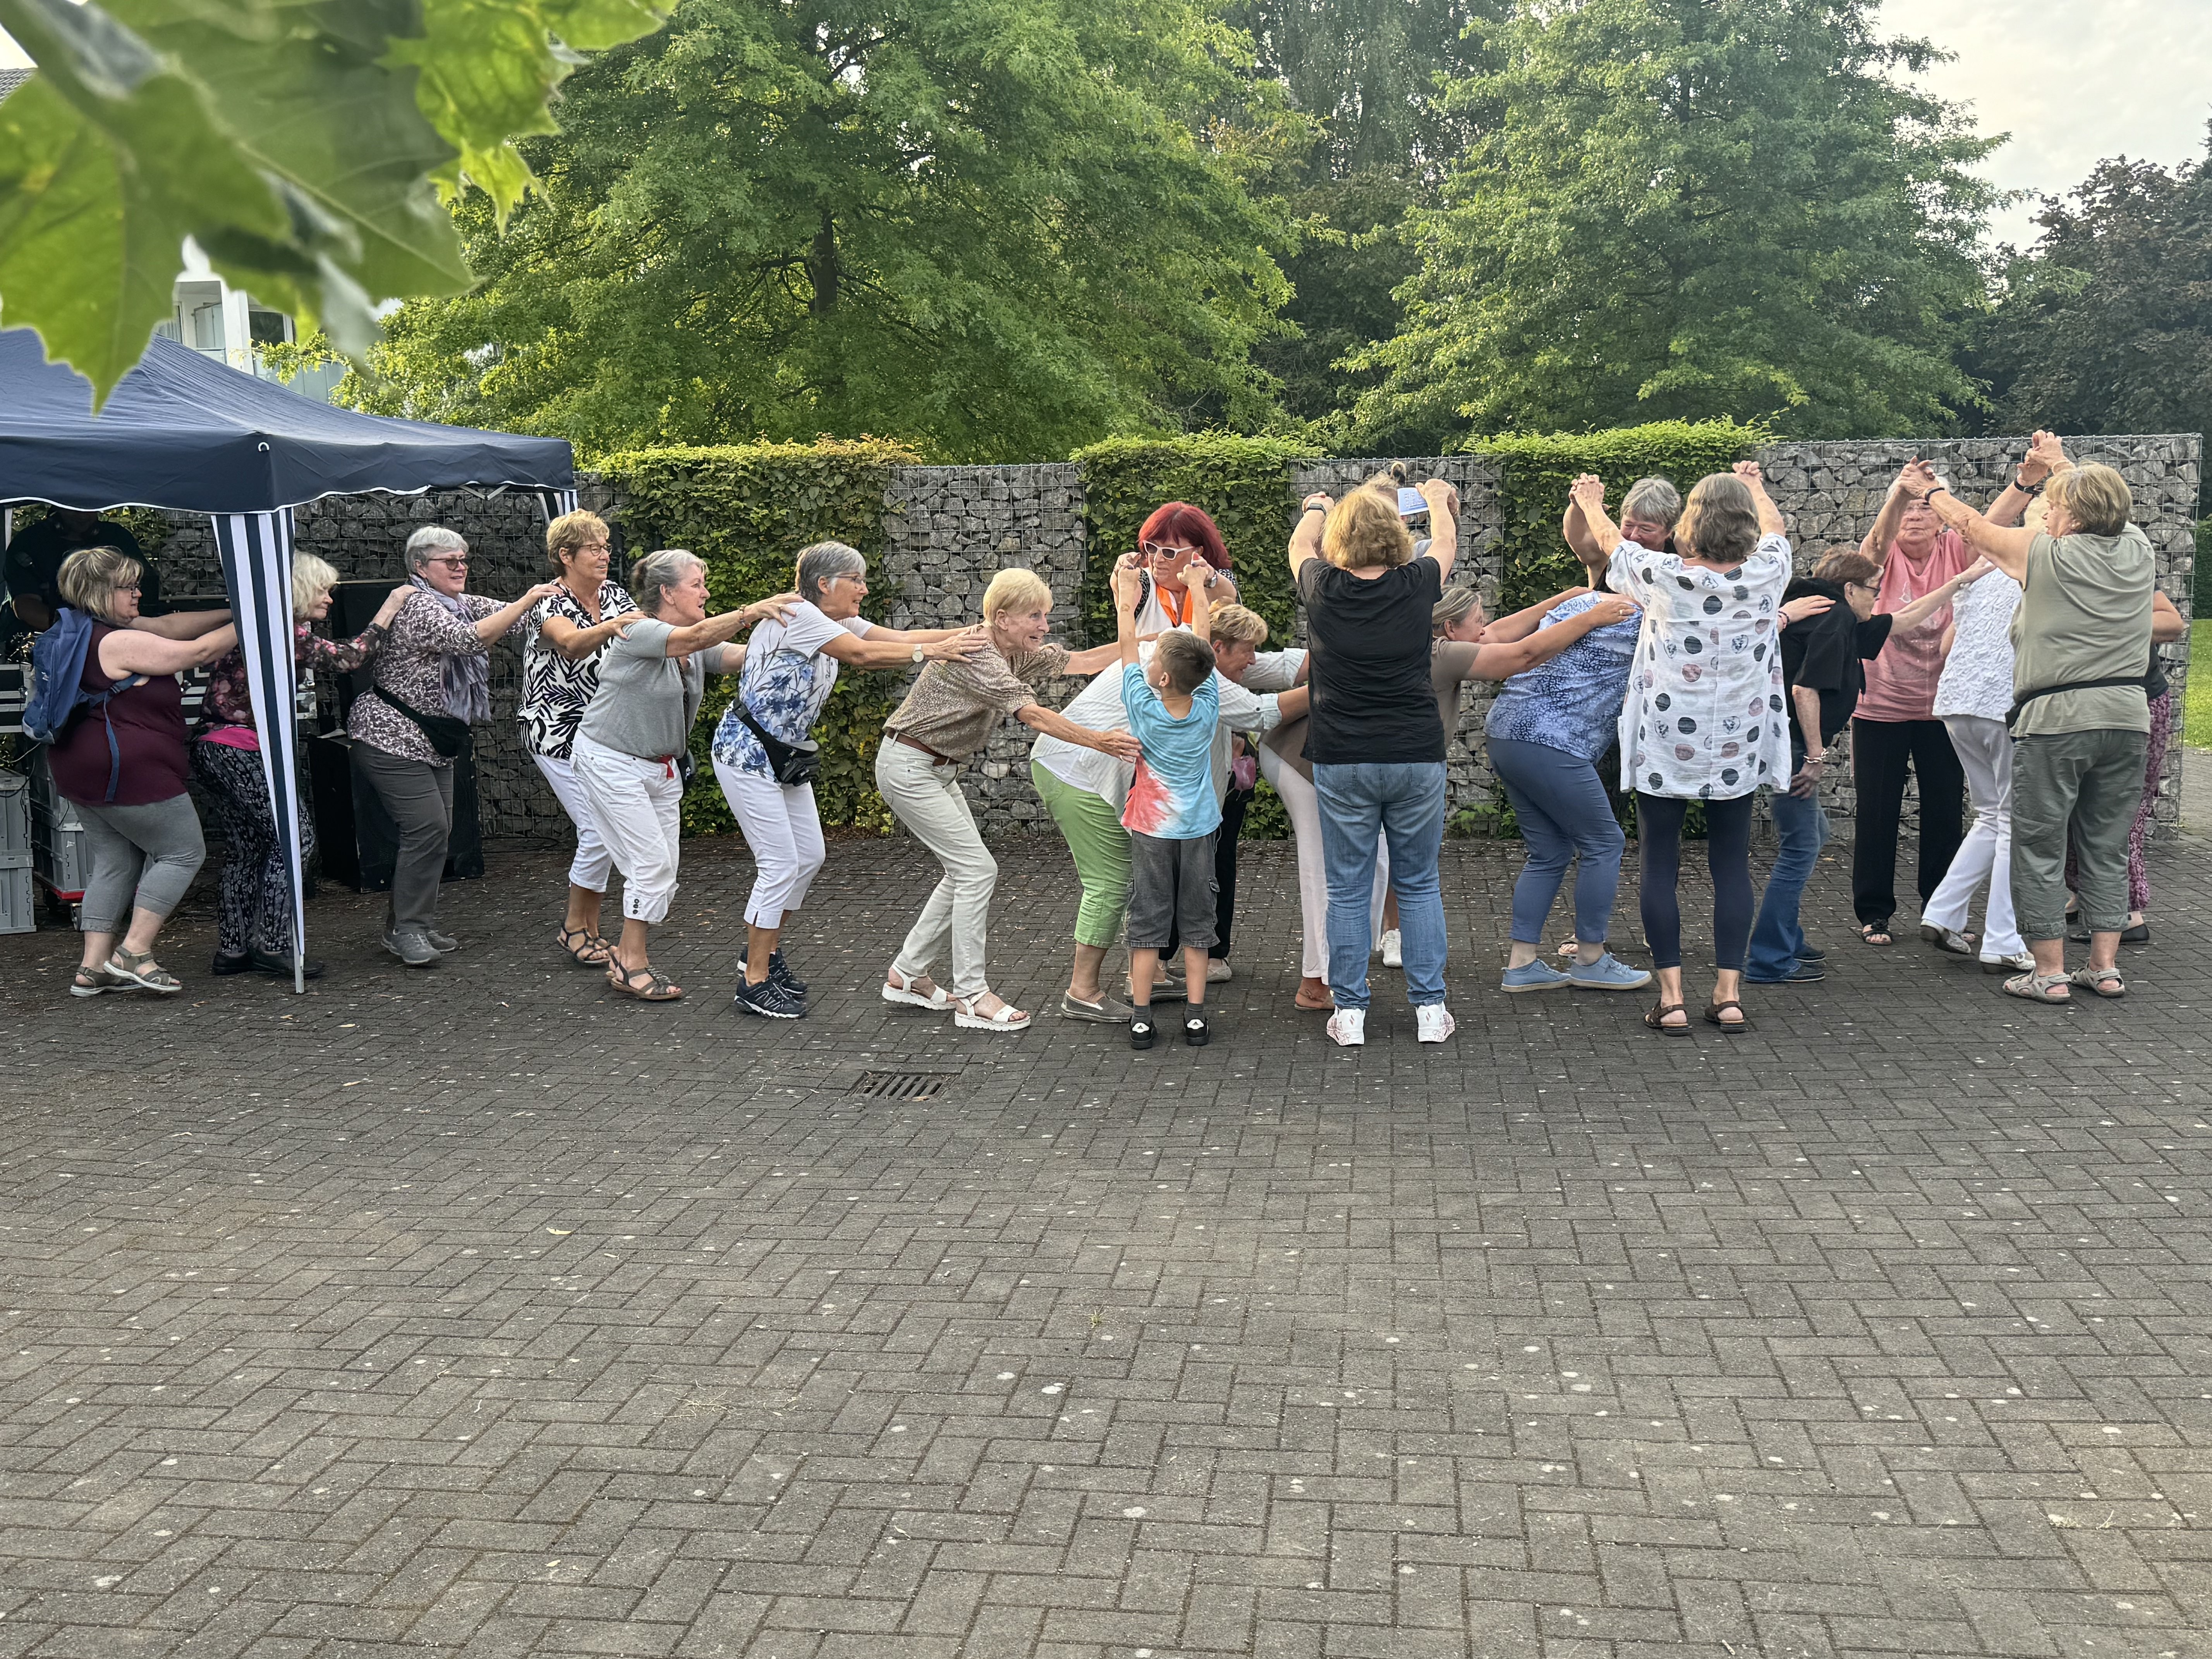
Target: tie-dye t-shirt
{"x": 1171, "y": 798}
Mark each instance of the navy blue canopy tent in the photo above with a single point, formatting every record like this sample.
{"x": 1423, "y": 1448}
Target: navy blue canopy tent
{"x": 182, "y": 431}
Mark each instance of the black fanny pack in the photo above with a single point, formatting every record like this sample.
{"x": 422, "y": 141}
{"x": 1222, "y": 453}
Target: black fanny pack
{"x": 449, "y": 736}
{"x": 2140, "y": 682}
{"x": 790, "y": 764}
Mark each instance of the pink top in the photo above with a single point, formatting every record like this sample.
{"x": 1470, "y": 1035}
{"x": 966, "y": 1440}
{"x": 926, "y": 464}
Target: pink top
{"x": 1900, "y": 683}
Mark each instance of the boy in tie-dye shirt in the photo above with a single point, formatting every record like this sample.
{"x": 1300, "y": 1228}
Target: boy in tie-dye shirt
{"x": 1173, "y": 814}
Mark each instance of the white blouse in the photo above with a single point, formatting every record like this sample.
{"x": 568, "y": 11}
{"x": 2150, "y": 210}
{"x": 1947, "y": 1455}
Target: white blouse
{"x": 1978, "y": 674}
{"x": 1704, "y": 719}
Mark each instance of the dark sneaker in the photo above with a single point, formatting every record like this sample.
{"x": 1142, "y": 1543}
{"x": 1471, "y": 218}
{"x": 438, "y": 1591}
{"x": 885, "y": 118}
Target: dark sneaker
{"x": 225, "y": 963}
{"x": 410, "y": 946}
{"x": 1194, "y": 1030}
{"x": 1141, "y": 1028}
{"x": 443, "y": 943}
{"x": 270, "y": 962}
{"x": 1805, "y": 973}
{"x": 1812, "y": 953}
{"x": 778, "y": 972}
{"x": 767, "y": 999}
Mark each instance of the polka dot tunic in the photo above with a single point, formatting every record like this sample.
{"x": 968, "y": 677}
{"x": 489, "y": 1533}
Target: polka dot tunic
{"x": 1705, "y": 718}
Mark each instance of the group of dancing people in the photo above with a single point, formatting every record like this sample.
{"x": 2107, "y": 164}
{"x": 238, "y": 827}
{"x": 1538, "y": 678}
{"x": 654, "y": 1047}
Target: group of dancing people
{"x": 2011, "y": 652}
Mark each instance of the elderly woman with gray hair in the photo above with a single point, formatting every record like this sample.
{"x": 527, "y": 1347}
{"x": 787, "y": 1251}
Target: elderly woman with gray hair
{"x": 432, "y": 679}
{"x": 630, "y": 747}
{"x": 766, "y": 763}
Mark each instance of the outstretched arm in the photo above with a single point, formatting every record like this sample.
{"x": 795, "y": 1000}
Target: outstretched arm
{"x": 1305, "y": 535}
{"x": 1503, "y": 630}
{"x": 720, "y": 631}
{"x": 1929, "y": 604}
{"x": 2006, "y": 548}
{"x": 1771, "y": 521}
{"x": 1443, "y": 523}
{"x": 1605, "y": 535}
{"x": 1500, "y": 662}
{"x": 1876, "y": 544}
{"x": 888, "y": 648}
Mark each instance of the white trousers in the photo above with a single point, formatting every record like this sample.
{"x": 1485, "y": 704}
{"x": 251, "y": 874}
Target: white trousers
{"x": 638, "y": 805}
{"x": 956, "y": 921}
{"x": 589, "y": 868}
{"x": 784, "y": 829}
{"x": 1984, "y": 750}
{"x": 1304, "y": 808}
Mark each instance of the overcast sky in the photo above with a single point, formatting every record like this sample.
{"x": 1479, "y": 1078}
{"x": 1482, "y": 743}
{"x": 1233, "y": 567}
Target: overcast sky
{"x": 2071, "y": 82}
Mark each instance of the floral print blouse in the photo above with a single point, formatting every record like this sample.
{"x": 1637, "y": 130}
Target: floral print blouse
{"x": 228, "y": 704}
{"x": 412, "y": 664}
{"x": 555, "y": 689}
{"x": 1705, "y": 717}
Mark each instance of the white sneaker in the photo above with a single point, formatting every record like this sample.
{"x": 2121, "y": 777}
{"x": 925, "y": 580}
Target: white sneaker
{"x": 1217, "y": 970}
{"x": 1347, "y": 1027}
{"x": 1432, "y": 1023}
{"x": 1393, "y": 949}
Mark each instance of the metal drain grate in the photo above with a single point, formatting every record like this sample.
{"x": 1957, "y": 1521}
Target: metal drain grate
{"x": 901, "y": 1085}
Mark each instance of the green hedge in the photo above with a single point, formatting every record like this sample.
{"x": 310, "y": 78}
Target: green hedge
{"x": 2200, "y": 581}
{"x": 747, "y": 510}
{"x": 1535, "y": 473}
{"x": 1244, "y": 483}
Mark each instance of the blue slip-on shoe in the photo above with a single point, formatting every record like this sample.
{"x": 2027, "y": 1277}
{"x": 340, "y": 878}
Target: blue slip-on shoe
{"x": 1534, "y": 977}
{"x": 1805, "y": 973}
{"x": 1608, "y": 973}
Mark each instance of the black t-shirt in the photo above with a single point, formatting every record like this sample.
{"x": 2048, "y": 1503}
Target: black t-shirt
{"x": 1823, "y": 654}
{"x": 35, "y": 556}
{"x": 1372, "y": 702}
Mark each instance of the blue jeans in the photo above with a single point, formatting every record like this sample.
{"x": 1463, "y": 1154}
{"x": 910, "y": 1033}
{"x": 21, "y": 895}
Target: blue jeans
{"x": 1777, "y": 939}
{"x": 1563, "y": 810}
{"x": 1404, "y": 802}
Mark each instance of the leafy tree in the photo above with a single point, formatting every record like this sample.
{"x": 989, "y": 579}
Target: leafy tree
{"x": 2106, "y": 325}
{"x": 298, "y": 143}
{"x": 1370, "y": 75}
{"x": 1686, "y": 209}
{"x": 988, "y": 228}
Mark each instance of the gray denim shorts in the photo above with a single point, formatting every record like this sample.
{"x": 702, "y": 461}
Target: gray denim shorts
{"x": 1172, "y": 892}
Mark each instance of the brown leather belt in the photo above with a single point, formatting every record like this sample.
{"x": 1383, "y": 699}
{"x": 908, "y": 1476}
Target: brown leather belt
{"x": 935, "y": 758}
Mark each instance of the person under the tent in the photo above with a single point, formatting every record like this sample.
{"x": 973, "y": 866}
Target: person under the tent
{"x": 34, "y": 563}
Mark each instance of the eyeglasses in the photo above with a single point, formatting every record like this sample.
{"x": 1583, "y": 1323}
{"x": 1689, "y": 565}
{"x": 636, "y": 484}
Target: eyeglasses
{"x": 1874, "y": 588}
{"x": 130, "y": 588}
{"x": 459, "y": 563}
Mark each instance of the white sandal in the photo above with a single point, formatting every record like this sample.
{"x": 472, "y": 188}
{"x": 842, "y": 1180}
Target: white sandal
{"x": 1008, "y": 1019}
{"x": 899, "y": 987}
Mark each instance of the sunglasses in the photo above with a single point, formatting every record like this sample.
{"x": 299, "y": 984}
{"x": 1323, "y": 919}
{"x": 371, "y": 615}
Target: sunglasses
{"x": 1164, "y": 551}
{"x": 450, "y": 565}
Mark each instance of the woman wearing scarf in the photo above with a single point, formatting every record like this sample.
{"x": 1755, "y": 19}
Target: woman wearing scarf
{"x": 433, "y": 679}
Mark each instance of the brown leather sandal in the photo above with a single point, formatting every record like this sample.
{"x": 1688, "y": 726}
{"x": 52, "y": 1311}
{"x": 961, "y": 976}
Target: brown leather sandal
{"x": 584, "y": 947}
{"x": 657, "y": 989}
{"x": 1741, "y": 1023}
{"x": 1656, "y": 1017}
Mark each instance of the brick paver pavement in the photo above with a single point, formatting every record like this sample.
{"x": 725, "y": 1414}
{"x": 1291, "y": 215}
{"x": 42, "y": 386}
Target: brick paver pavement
{"x": 479, "y": 1311}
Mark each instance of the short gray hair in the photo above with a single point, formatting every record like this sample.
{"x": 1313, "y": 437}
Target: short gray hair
{"x": 652, "y": 576}
{"x": 823, "y": 562}
{"x": 1652, "y": 500}
{"x": 428, "y": 542}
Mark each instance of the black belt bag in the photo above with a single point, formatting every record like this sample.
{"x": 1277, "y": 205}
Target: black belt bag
{"x": 449, "y": 736}
{"x": 791, "y": 764}
{"x": 2138, "y": 681}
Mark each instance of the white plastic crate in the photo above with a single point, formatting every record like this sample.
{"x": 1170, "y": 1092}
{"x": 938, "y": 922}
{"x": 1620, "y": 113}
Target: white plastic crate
{"x": 14, "y": 817}
{"x": 61, "y": 853}
{"x": 19, "y": 894}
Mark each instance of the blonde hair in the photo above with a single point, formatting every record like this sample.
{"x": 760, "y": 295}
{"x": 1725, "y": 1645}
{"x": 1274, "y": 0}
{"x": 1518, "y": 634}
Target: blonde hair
{"x": 1720, "y": 522}
{"x": 569, "y": 533}
{"x": 2096, "y": 498}
{"x": 1016, "y": 589}
{"x": 1364, "y": 532}
{"x": 89, "y": 577}
{"x": 1233, "y": 624}
{"x": 1456, "y": 603}
{"x": 1187, "y": 658}
{"x": 312, "y": 578}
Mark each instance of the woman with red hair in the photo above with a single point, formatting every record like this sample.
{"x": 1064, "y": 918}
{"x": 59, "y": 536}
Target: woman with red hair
{"x": 1164, "y": 547}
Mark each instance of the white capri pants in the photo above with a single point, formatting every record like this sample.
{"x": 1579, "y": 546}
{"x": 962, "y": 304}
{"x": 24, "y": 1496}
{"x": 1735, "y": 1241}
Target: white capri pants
{"x": 1304, "y": 808}
{"x": 638, "y": 805}
{"x": 589, "y": 868}
{"x": 784, "y": 829}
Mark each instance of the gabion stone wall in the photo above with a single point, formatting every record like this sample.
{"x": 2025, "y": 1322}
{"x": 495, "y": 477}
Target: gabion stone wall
{"x": 1832, "y": 492}
{"x": 948, "y": 529}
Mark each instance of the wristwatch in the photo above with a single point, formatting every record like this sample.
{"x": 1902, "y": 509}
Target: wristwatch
{"x": 918, "y": 655}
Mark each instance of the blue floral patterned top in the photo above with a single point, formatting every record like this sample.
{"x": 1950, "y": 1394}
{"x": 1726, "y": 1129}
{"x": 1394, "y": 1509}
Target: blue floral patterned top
{"x": 1572, "y": 702}
{"x": 787, "y": 678}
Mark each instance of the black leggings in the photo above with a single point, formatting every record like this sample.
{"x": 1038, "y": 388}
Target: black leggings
{"x": 1728, "y": 851}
